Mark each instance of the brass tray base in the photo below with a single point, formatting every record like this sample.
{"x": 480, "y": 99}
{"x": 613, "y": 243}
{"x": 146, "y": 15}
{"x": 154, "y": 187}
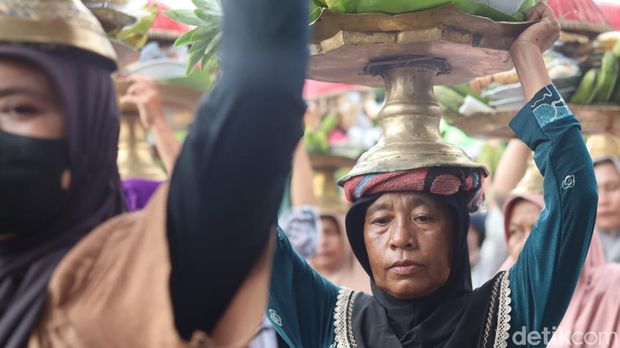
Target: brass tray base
{"x": 343, "y": 45}
{"x": 595, "y": 119}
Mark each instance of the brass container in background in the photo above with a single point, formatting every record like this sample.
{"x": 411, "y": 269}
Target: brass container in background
{"x": 330, "y": 200}
{"x": 135, "y": 159}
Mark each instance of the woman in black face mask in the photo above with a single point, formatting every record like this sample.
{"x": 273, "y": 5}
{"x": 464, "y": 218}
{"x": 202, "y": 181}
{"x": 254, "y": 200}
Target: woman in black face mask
{"x": 74, "y": 275}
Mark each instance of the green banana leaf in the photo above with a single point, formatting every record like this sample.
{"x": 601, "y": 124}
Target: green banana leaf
{"x": 315, "y": 11}
{"x": 403, "y": 6}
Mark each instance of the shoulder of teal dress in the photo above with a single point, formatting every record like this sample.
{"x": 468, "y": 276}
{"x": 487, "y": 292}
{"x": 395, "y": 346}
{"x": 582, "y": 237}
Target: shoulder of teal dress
{"x": 301, "y": 302}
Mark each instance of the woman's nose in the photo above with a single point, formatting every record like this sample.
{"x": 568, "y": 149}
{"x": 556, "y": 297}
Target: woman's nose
{"x": 602, "y": 197}
{"x": 403, "y": 236}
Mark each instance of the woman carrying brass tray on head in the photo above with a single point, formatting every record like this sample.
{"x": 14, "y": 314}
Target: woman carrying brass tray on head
{"x": 409, "y": 229}
{"x": 192, "y": 269}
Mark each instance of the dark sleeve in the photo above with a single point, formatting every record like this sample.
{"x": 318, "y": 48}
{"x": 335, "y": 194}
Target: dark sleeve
{"x": 544, "y": 277}
{"x": 229, "y": 178}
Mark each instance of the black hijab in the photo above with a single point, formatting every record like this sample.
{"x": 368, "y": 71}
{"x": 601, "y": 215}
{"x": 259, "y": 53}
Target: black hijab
{"x": 452, "y": 316}
{"x": 88, "y": 100}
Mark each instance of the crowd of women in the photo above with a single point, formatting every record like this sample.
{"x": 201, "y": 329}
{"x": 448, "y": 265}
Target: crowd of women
{"x": 205, "y": 262}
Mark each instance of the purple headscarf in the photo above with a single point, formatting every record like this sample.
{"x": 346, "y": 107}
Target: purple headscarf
{"x": 87, "y": 96}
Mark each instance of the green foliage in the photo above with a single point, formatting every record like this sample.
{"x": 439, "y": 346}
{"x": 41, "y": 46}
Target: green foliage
{"x": 205, "y": 39}
{"x": 401, "y": 6}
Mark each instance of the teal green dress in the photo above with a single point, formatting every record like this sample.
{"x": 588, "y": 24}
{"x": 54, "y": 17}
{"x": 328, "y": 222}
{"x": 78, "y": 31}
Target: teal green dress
{"x": 307, "y": 310}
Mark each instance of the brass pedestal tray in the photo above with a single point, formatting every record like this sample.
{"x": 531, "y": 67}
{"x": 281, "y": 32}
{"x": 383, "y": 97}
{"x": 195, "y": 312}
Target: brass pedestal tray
{"x": 343, "y": 44}
{"x": 595, "y": 119}
{"x": 408, "y": 53}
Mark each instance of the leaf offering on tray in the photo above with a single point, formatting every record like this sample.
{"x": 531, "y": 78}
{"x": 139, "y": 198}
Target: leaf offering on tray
{"x": 498, "y": 10}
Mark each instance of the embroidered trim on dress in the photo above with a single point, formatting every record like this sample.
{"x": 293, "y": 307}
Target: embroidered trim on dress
{"x": 343, "y": 314}
{"x": 491, "y": 314}
{"x": 503, "y": 314}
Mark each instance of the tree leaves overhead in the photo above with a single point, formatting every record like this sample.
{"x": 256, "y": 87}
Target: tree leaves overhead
{"x": 205, "y": 39}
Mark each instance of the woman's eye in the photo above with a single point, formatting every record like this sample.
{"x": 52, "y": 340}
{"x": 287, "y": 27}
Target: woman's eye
{"x": 21, "y": 110}
{"x": 382, "y": 221}
{"x": 331, "y": 232}
{"x": 422, "y": 219}
{"x": 512, "y": 232}
{"x": 25, "y": 109}
{"x": 612, "y": 187}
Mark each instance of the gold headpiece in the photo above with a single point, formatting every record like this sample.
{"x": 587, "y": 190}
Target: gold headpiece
{"x": 53, "y": 22}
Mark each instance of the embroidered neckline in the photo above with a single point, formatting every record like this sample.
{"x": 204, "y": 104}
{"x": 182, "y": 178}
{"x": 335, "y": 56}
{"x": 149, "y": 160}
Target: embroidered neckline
{"x": 343, "y": 314}
{"x": 503, "y": 315}
{"x": 491, "y": 313}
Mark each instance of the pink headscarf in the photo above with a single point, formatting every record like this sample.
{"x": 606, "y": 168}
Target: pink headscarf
{"x": 595, "y": 307}
{"x": 594, "y": 311}
{"x": 509, "y": 205}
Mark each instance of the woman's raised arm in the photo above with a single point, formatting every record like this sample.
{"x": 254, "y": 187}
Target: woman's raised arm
{"x": 228, "y": 180}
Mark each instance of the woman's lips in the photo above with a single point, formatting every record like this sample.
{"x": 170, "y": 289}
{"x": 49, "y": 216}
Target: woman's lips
{"x": 405, "y": 267}
{"x": 606, "y": 214}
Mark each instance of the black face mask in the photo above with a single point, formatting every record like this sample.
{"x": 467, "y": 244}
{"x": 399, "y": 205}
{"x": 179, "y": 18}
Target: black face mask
{"x": 31, "y": 195}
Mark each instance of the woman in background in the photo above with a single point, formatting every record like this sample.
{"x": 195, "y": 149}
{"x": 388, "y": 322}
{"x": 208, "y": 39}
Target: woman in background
{"x": 594, "y": 311}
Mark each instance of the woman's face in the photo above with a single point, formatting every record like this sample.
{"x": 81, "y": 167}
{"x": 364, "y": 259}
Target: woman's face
{"x": 28, "y": 106}
{"x": 473, "y": 244}
{"x": 329, "y": 256}
{"x": 409, "y": 238}
{"x": 522, "y": 220}
{"x": 608, "y": 180}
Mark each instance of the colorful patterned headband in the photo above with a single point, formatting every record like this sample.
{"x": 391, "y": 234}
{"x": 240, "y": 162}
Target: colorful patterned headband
{"x": 444, "y": 181}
